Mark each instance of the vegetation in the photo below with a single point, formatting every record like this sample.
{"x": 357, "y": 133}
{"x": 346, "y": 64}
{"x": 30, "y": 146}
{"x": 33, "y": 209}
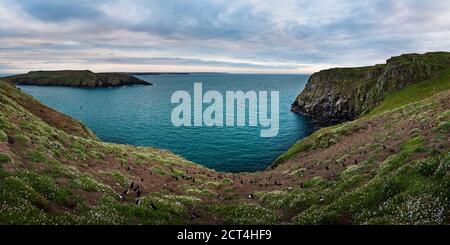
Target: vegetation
{"x": 75, "y": 79}
{"x": 343, "y": 94}
{"x": 413, "y": 93}
{"x": 391, "y": 166}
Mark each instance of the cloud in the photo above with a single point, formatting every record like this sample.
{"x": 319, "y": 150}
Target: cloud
{"x": 56, "y": 10}
{"x": 245, "y": 35}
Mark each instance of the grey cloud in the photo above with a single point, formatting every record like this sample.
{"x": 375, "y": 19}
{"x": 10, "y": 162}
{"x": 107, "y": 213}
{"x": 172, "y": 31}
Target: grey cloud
{"x": 257, "y": 34}
{"x": 57, "y": 10}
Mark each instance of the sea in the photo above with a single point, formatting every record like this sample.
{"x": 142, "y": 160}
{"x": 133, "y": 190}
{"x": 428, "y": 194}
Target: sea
{"x": 141, "y": 116}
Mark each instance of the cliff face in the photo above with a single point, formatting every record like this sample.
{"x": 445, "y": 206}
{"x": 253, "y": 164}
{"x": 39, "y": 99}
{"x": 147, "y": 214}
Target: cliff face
{"x": 86, "y": 79}
{"x": 390, "y": 168}
{"x": 343, "y": 94}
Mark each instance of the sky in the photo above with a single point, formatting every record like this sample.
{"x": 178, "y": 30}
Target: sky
{"x": 238, "y": 36}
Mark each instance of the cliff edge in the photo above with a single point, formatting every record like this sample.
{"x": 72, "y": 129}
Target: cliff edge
{"x": 343, "y": 94}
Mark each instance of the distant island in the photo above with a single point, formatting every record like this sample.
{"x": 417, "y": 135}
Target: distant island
{"x": 158, "y": 73}
{"x": 175, "y": 73}
{"x": 74, "y": 78}
{"x": 387, "y": 163}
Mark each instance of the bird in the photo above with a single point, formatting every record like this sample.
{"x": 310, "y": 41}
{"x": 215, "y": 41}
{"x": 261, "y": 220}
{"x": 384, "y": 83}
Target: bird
{"x": 138, "y": 192}
{"x": 152, "y": 206}
{"x": 138, "y": 202}
{"x": 121, "y": 197}
{"x": 194, "y": 216}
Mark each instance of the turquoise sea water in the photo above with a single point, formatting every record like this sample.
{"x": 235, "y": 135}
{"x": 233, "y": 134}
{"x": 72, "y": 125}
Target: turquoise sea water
{"x": 141, "y": 115}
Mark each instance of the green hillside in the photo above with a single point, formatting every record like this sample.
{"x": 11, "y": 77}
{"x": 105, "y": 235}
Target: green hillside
{"x": 391, "y": 166}
{"x": 343, "y": 94}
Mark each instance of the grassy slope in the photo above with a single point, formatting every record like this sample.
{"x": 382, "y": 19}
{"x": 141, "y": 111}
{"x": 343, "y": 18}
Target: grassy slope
{"x": 391, "y": 101}
{"x": 48, "y": 115}
{"x": 402, "y": 173}
{"x": 359, "y": 90}
{"x": 51, "y": 175}
{"x": 413, "y": 93}
{"x": 48, "y": 176}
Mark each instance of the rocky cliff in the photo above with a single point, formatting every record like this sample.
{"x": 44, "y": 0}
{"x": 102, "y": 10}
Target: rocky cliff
{"x": 86, "y": 79}
{"x": 342, "y": 94}
{"x": 390, "y": 168}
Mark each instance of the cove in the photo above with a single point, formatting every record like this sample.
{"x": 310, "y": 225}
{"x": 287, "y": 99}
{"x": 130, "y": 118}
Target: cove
{"x": 141, "y": 116}
{"x": 238, "y": 107}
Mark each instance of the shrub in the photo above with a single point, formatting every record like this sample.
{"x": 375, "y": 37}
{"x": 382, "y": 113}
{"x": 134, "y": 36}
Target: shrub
{"x": 36, "y": 156}
{"x": 317, "y": 216}
{"x": 427, "y": 167}
{"x": 120, "y": 178}
{"x": 3, "y": 136}
{"x": 243, "y": 214}
{"x": 15, "y": 191}
{"x": 4, "y": 158}
{"x": 46, "y": 187}
{"x": 444, "y": 127}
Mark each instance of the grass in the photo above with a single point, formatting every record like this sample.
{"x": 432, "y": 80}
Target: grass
{"x": 47, "y": 187}
{"x": 320, "y": 139}
{"x": 244, "y": 214}
{"x": 120, "y": 179}
{"x": 64, "y": 189}
{"x": 413, "y": 93}
{"x": 391, "y": 101}
{"x": 4, "y": 158}
{"x": 301, "y": 146}
{"x": 36, "y": 156}
{"x": 444, "y": 127}
{"x": 398, "y": 190}
{"x": 408, "y": 195}
{"x": 74, "y": 78}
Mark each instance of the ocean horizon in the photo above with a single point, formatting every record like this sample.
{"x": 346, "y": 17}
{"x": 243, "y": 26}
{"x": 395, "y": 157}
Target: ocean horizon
{"x": 141, "y": 116}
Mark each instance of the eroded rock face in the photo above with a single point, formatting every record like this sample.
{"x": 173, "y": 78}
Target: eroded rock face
{"x": 342, "y": 94}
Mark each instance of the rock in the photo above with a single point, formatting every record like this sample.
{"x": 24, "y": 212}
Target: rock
{"x": 343, "y": 94}
{"x": 86, "y": 79}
